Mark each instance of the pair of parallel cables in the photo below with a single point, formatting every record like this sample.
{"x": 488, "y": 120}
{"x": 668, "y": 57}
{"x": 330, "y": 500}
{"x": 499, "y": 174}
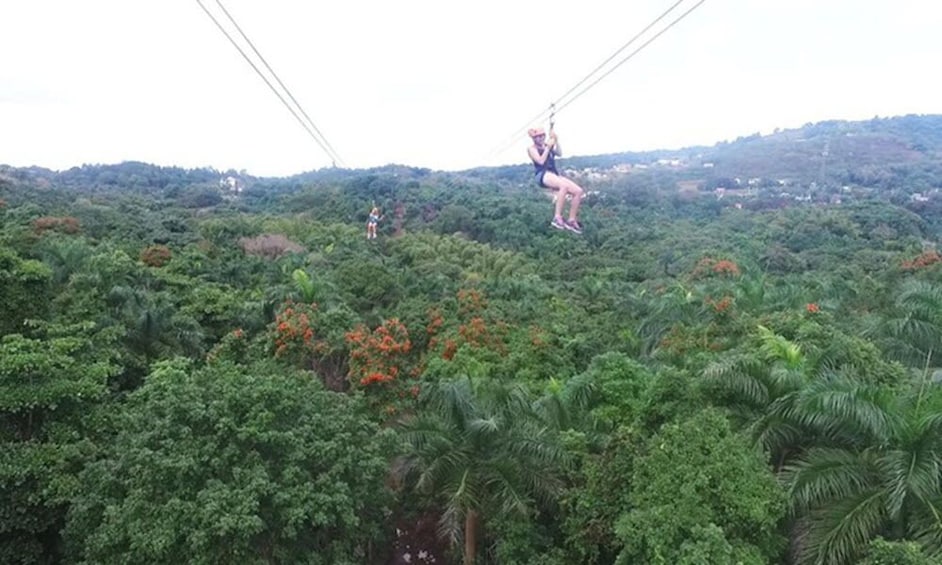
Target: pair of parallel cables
{"x": 556, "y": 106}
{"x": 574, "y": 93}
{"x": 291, "y": 102}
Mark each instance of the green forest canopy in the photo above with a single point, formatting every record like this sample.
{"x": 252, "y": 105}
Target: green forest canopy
{"x": 203, "y": 370}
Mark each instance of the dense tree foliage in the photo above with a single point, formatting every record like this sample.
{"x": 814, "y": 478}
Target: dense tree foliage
{"x": 233, "y": 464}
{"x": 737, "y": 362}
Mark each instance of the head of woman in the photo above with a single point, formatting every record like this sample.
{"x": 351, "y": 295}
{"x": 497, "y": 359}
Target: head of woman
{"x": 538, "y": 135}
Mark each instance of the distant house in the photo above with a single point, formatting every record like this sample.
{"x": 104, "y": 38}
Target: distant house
{"x": 708, "y": 165}
{"x": 231, "y": 184}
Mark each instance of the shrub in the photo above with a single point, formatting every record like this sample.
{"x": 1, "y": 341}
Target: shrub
{"x": 64, "y": 224}
{"x": 156, "y": 255}
{"x": 269, "y": 246}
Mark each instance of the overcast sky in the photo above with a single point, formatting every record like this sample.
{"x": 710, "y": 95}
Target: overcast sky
{"x": 440, "y": 83}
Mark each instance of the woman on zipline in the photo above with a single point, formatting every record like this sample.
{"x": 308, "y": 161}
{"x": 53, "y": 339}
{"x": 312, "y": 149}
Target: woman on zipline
{"x": 543, "y": 154}
{"x": 371, "y": 223}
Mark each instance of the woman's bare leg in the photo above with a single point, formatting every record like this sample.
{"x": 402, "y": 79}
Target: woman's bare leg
{"x": 556, "y": 183}
{"x": 577, "y": 195}
{"x": 564, "y": 186}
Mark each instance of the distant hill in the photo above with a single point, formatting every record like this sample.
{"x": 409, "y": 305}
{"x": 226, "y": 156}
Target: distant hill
{"x": 837, "y": 147}
{"x": 903, "y": 151}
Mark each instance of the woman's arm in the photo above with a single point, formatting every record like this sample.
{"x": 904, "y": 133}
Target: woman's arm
{"x": 537, "y": 156}
{"x": 555, "y": 143}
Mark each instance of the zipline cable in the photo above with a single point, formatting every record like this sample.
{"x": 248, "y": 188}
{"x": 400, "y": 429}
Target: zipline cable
{"x": 333, "y": 153}
{"x": 624, "y": 46}
{"x": 558, "y": 105}
{"x": 630, "y": 55}
{"x": 334, "y": 158}
{"x": 619, "y": 50}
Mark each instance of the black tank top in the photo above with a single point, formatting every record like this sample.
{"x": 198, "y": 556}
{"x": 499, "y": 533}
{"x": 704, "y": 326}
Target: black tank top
{"x": 548, "y": 165}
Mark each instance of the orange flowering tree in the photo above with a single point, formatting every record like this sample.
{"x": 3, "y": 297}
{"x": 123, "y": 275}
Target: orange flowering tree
{"x": 474, "y": 327}
{"x": 921, "y": 261}
{"x": 710, "y": 267}
{"x": 156, "y": 255}
{"x": 63, "y": 224}
{"x": 234, "y": 346}
{"x": 378, "y": 364}
{"x": 313, "y": 338}
{"x": 294, "y": 333}
{"x": 720, "y": 306}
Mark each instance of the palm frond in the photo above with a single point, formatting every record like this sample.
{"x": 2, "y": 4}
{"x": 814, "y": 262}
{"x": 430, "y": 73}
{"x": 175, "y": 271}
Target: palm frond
{"x": 508, "y": 483}
{"x": 824, "y": 475}
{"x": 483, "y": 426}
{"x": 839, "y": 532}
{"x": 741, "y": 378}
{"x": 846, "y": 410}
{"x": 580, "y": 392}
{"x": 922, "y": 298}
{"x": 775, "y": 435}
{"x": 452, "y": 400}
{"x": 442, "y": 469}
{"x": 908, "y": 474}
{"x": 925, "y": 526}
{"x": 552, "y": 411}
{"x": 776, "y": 347}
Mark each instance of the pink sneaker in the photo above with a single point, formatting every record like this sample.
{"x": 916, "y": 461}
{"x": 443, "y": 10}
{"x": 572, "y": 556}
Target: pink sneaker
{"x": 574, "y": 226}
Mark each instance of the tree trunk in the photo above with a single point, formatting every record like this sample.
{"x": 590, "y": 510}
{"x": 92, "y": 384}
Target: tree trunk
{"x": 470, "y": 536}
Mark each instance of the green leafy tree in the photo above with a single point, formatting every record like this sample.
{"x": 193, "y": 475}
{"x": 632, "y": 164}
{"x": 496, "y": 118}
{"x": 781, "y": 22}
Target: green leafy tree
{"x": 25, "y": 285}
{"x": 233, "y": 464}
{"x": 47, "y": 387}
{"x": 883, "y": 552}
{"x": 700, "y": 491}
{"x": 599, "y": 495}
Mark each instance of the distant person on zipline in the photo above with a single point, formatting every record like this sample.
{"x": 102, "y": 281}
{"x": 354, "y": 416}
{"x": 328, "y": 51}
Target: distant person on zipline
{"x": 543, "y": 153}
{"x": 372, "y": 222}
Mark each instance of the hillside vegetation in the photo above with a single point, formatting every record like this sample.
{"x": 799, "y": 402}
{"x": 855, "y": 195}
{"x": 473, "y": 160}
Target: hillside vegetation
{"x": 737, "y": 362}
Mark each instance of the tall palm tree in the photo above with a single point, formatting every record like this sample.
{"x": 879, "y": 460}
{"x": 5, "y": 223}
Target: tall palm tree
{"x": 66, "y": 256}
{"x": 764, "y": 388}
{"x": 912, "y": 333}
{"x": 476, "y": 448}
{"x": 884, "y": 481}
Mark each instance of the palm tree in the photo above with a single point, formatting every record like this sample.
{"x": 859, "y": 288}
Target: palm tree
{"x": 66, "y": 257}
{"x": 304, "y": 285}
{"x": 912, "y": 333}
{"x": 790, "y": 401}
{"x": 883, "y": 481}
{"x": 675, "y": 306}
{"x": 764, "y": 389}
{"x": 477, "y": 448}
